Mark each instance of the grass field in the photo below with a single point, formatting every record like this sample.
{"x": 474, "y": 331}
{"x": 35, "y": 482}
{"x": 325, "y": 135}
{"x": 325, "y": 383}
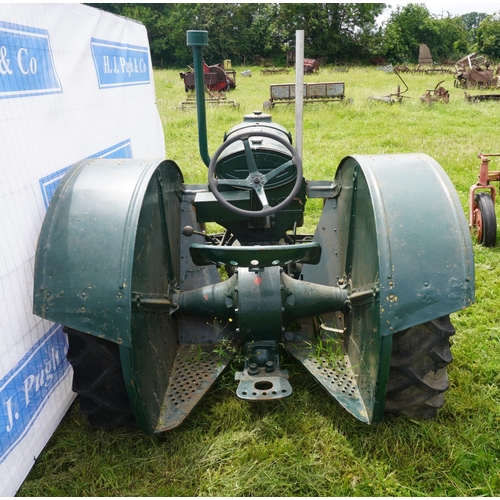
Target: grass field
{"x": 307, "y": 445}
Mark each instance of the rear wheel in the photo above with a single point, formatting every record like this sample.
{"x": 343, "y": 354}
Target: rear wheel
{"x": 98, "y": 380}
{"x": 418, "y": 376}
{"x": 485, "y": 219}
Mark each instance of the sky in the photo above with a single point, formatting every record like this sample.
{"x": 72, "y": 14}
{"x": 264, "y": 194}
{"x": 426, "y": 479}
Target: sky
{"x": 442, "y": 8}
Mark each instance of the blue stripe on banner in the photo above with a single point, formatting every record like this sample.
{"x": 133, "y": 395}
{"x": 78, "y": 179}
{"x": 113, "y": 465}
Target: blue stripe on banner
{"x": 27, "y": 388}
{"x": 49, "y": 183}
{"x": 120, "y": 64}
{"x": 26, "y": 64}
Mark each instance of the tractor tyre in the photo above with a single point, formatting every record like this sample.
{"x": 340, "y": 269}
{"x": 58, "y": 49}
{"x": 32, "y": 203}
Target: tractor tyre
{"x": 98, "y": 380}
{"x": 418, "y": 375}
{"x": 485, "y": 219}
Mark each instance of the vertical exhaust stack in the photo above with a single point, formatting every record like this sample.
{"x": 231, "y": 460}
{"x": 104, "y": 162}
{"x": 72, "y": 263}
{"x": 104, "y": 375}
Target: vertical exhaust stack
{"x": 197, "y": 39}
{"x": 299, "y": 89}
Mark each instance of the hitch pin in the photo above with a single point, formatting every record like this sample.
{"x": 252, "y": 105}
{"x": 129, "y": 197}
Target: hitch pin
{"x": 149, "y": 300}
{"x": 357, "y": 296}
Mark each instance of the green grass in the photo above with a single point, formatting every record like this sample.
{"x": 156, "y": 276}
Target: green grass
{"x": 307, "y": 445}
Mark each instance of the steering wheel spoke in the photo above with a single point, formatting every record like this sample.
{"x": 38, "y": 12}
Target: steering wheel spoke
{"x": 273, "y": 173}
{"x": 261, "y": 194}
{"x": 237, "y": 183}
{"x": 252, "y": 167}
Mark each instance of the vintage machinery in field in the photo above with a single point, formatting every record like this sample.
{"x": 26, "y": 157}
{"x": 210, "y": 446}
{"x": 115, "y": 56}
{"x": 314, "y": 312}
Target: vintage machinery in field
{"x": 482, "y": 196}
{"x": 155, "y": 307}
{"x": 437, "y": 94}
{"x": 474, "y": 72}
{"x": 217, "y": 81}
{"x": 284, "y": 93}
{"x": 310, "y": 65}
{"x": 397, "y": 96}
{"x": 215, "y": 78}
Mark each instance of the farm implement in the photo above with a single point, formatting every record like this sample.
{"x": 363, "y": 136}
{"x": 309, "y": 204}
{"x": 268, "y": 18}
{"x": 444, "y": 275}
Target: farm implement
{"x": 482, "y": 196}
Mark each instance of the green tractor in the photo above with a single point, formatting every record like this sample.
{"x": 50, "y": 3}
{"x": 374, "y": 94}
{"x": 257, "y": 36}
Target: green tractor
{"x": 155, "y": 308}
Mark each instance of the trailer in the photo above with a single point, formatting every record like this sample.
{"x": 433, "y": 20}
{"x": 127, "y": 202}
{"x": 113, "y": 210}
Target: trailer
{"x": 211, "y": 98}
{"x": 284, "y": 93}
{"x": 274, "y": 71}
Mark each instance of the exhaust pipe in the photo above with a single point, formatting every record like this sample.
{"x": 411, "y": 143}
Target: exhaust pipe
{"x": 197, "y": 39}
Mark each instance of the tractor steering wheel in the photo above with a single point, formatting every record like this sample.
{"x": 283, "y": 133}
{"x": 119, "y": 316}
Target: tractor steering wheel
{"x": 255, "y": 179}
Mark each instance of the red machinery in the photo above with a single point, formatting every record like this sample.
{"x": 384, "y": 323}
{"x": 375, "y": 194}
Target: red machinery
{"x": 311, "y": 65}
{"x": 482, "y": 216}
{"x": 216, "y": 79}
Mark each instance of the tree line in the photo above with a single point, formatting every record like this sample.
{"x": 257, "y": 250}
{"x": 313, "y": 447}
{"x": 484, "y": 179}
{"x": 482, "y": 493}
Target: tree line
{"x": 338, "y": 33}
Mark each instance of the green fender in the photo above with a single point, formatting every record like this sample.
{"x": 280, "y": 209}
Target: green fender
{"x": 396, "y": 236}
{"x": 425, "y": 258}
{"x": 106, "y": 220}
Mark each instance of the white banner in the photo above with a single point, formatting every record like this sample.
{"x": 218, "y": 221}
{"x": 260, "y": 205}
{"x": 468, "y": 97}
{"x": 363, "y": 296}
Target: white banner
{"x": 75, "y": 83}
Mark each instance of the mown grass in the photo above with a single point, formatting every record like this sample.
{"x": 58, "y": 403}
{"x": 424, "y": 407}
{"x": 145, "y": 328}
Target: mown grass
{"x": 307, "y": 445}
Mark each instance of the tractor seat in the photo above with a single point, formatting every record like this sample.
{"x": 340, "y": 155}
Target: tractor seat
{"x": 256, "y": 256}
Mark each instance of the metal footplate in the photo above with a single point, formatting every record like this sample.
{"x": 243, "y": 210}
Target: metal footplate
{"x": 262, "y": 379}
{"x": 196, "y": 368}
{"x": 334, "y": 373}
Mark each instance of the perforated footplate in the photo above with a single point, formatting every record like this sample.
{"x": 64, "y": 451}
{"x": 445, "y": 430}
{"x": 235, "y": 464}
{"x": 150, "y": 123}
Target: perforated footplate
{"x": 195, "y": 369}
{"x": 335, "y": 375}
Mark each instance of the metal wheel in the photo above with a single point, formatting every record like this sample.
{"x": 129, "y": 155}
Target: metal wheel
{"x": 418, "y": 376}
{"x": 98, "y": 380}
{"x": 485, "y": 220}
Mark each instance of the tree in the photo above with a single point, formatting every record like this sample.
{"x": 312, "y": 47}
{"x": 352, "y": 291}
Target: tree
{"x": 452, "y": 39}
{"x": 241, "y": 31}
{"x": 403, "y": 33}
{"x": 412, "y": 25}
{"x": 232, "y": 32}
{"x": 331, "y": 30}
{"x": 153, "y": 18}
{"x": 236, "y": 31}
{"x": 472, "y": 21}
{"x": 488, "y": 36}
